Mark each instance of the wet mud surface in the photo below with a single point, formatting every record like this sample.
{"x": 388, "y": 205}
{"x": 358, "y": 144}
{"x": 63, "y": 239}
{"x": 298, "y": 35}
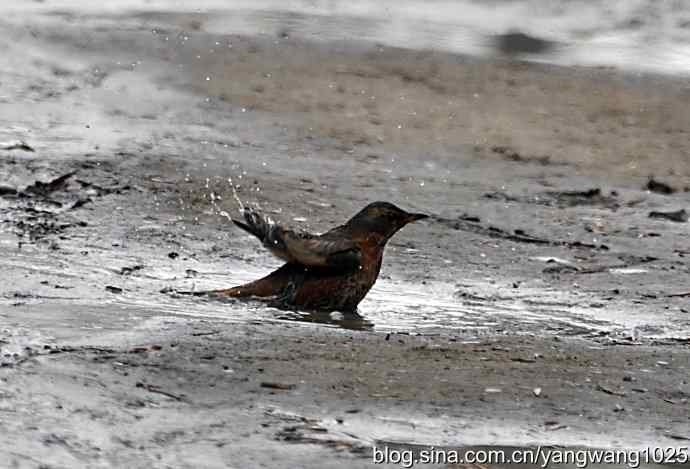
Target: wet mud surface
{"x": 124, "y": 140}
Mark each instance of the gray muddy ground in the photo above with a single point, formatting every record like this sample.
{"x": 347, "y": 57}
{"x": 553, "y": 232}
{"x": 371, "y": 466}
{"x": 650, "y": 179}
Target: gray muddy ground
{"x": 540, "y": 304}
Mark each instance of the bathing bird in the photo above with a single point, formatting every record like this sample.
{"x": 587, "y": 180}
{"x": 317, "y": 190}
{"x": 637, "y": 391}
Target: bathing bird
{"x": 328, "y": 272}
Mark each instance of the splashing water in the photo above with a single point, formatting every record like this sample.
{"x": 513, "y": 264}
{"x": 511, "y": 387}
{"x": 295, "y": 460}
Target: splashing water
{"x": 214, "y": 198}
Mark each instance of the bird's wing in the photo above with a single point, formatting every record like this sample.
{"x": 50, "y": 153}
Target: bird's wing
{"x": 328, "y": 251}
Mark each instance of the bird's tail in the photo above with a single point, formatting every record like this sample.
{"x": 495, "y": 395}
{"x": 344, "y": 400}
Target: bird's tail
{"x": 256, "y": 289}
{"x": 262, "y": 288}
{"x": 274, "y": 285}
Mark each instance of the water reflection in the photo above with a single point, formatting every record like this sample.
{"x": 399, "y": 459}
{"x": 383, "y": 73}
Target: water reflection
{"x": 352, "y": 321}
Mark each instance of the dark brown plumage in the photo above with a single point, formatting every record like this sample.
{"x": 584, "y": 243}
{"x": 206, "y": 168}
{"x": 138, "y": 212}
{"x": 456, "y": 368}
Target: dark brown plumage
{"x": 328, "y": 272}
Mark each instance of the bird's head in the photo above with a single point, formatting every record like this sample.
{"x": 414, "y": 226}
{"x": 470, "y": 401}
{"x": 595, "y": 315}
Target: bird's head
{"x": 383, "y": 219}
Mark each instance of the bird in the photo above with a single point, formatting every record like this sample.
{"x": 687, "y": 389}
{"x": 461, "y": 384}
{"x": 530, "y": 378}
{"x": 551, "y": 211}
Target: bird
{"x": 328, "y": 272}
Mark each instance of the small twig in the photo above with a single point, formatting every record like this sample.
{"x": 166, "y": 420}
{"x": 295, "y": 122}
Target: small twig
{"x": 155, "y": 389}
{"x": 16, "y": 145}
{"x": 610, "y": 391}
{"x": 281, "y": 386}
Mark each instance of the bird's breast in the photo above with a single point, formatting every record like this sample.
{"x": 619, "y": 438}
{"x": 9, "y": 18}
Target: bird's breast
{"x": 371, "y": 262}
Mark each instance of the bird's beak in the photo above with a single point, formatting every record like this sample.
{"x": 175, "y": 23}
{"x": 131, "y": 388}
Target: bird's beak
{"x": 412, "y": 217}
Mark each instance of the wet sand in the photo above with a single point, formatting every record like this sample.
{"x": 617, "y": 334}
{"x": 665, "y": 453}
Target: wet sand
{"x": 524, "y": 278}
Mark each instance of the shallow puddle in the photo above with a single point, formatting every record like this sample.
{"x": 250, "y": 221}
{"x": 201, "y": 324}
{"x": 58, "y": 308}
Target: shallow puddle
{"x": 480, "y": 308}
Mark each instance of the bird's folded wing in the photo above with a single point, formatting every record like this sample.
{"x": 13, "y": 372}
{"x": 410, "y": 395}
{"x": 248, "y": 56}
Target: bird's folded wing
{"x": 318, "y": 251}
{"x": 336, "y": 252}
